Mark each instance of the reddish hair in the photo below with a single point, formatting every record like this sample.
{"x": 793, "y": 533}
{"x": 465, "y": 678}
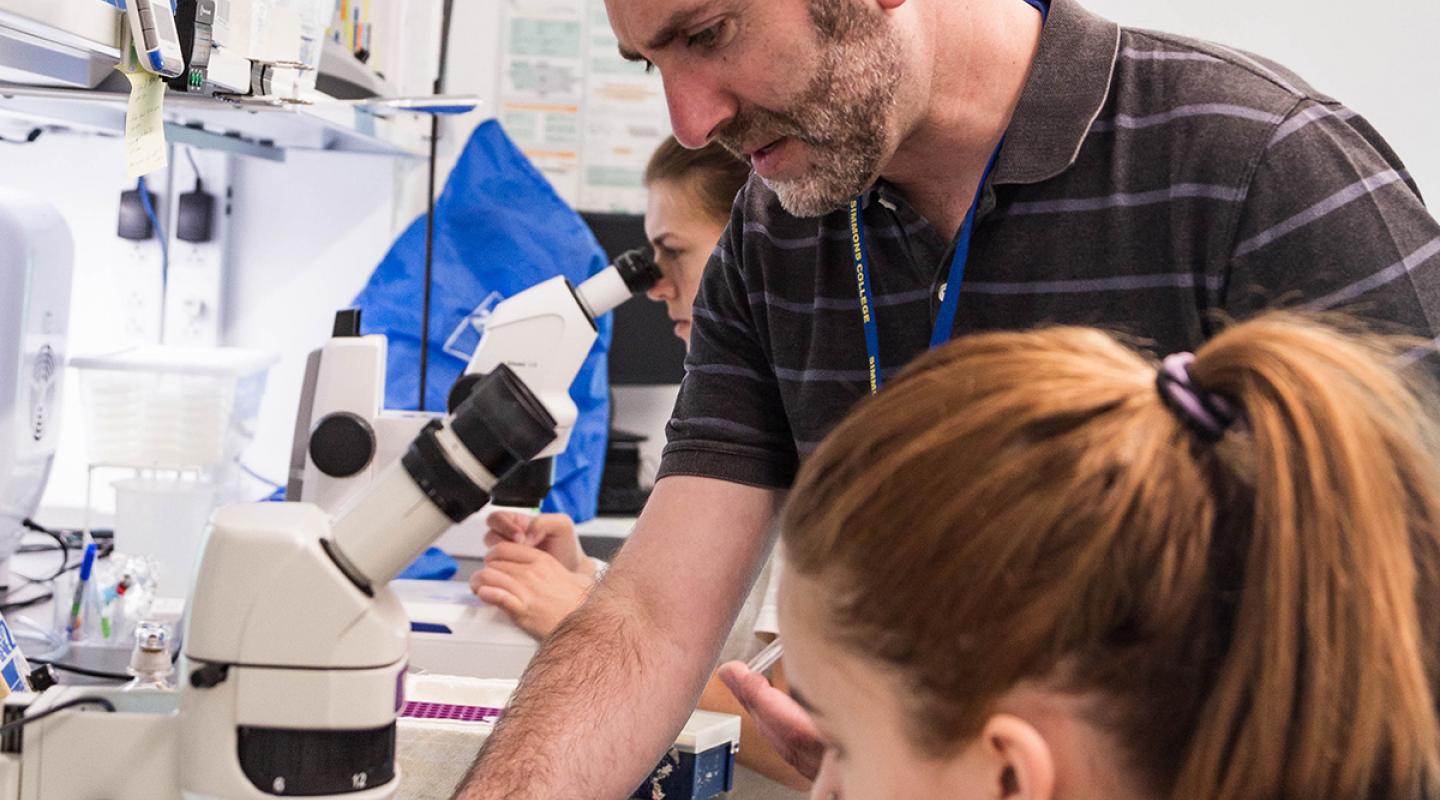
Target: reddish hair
{"x": 1256, "y": 617}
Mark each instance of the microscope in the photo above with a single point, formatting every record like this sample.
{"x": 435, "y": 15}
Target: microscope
{"x": 295, "y": 648}
{"x": 344, "y": 434}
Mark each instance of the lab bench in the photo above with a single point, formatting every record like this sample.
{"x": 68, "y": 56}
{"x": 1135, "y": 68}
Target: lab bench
{"x": 749, "y": 785}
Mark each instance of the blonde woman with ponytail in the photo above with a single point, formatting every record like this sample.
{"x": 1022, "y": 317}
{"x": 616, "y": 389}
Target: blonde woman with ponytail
{"x": 1040, "y": 566}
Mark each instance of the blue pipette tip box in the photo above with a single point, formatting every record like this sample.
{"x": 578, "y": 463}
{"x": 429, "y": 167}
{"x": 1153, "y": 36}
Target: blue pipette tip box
{"x": 701, "y": 765}
{"x": 13, "y": 667}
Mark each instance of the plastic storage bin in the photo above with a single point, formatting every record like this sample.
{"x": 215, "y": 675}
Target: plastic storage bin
{"x": 180, "y": 417}
{"x": 175, "y": 408}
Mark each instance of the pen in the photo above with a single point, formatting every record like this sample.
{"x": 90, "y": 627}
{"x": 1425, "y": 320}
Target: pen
{"x": 765, "y": 659}
{"x": 86, "y": 565}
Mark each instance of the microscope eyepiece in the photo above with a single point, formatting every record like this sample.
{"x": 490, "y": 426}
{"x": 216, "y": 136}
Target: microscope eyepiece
{"x": 633, "y": 272}
{"x": 638, "y": 269}
{"x": 451, "y": 466}
{"x": 502, "y": 423}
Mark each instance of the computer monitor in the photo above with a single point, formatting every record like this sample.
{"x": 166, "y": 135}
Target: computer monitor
{"x": 645, "y": 350}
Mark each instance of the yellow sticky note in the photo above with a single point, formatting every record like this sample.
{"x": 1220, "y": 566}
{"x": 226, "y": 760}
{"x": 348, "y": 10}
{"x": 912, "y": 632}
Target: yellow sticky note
{"x": 145, "y": 149}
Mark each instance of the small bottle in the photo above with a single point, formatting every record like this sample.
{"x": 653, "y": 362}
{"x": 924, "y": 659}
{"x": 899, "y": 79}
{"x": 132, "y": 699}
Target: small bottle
{"x": 150, "y": 660}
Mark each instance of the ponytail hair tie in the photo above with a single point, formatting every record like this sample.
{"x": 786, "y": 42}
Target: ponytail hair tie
{"x": 1207, "y": 414}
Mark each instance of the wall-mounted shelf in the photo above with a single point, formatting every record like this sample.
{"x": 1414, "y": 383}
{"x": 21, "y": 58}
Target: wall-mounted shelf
{"x": 57, "y": 60}
{"x": 58, "y": 42}
{"x": 247, "y": 127}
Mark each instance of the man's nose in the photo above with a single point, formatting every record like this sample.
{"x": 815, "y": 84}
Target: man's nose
{"x": 700, "y": 105}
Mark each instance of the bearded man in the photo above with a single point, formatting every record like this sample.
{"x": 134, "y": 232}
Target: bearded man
{"x": 925, "y": 169}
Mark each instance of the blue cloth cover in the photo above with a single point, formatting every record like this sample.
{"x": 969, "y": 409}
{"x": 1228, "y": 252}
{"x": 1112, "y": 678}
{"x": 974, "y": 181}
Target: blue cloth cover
{"x": 499, "y": 228}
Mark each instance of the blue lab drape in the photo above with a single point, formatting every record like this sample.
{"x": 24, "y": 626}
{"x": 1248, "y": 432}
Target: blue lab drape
{"x": 499, "y": 228}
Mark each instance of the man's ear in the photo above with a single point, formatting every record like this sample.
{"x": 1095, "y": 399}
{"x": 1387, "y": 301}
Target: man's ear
{"x": 1020, "y": 759}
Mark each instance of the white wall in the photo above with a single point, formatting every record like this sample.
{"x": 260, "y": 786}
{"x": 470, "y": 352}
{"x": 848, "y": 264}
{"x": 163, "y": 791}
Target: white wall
{"x": 116, "y": 289}
{"x": 304, "y": 238}
{"x": 1381, "y": 59}
{"x": 474, "y": 69}
{"x": 309, "y": 232}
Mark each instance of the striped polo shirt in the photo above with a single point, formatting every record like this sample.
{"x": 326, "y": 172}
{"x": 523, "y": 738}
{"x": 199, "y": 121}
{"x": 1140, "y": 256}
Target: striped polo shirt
{"x": 1149, "y": 184}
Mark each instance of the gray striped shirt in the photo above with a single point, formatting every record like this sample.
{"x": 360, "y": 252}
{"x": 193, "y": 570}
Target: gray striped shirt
{"x": 1149, "y": 184}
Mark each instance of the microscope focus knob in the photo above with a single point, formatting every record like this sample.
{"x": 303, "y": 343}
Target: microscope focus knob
{"x": 342, "y": 444}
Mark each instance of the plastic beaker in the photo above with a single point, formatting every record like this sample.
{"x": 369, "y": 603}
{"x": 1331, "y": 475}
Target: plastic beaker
{"x": 164, "y": 519}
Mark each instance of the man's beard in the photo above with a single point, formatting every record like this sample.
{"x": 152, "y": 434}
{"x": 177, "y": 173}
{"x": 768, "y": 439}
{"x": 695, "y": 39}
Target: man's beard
{"x": 846, "y": 108}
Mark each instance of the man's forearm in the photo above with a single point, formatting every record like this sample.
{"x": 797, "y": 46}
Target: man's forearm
{"x": 630, "y": 689}
{"x": 599, "y": 704}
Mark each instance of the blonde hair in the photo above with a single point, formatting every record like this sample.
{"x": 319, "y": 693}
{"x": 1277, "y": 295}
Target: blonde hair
{"x": 1257, "y": 614}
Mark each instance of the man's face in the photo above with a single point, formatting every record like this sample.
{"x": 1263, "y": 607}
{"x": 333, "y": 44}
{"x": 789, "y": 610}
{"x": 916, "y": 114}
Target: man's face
{"x": 803, "y": 89}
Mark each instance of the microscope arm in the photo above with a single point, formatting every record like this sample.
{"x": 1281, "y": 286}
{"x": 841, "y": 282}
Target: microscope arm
{"x": 345, "y": 437}
{"x": 445, "y": 476}
{"x": 545, "y": 333}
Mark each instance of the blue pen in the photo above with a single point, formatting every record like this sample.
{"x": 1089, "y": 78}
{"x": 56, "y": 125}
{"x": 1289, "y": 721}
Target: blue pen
{"x": 87, "y": 564}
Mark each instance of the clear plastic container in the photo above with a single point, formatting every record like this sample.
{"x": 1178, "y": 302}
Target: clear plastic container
{"x": 164, "y": 519}
{"x": 174, "y": 408}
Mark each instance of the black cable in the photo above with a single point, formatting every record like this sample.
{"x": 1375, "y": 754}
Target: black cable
{"x": 29, "y": 137}
{"x": 11, "y": 727}
{"x": 199, "y": 184}
{"x": 16, "y": 605}
{"x": 445, "y": 14}
{"x": 31, "y": 524}
{"x": 87, "y": 672}
{"x": 429, "y": 263}
{"x": 102, "y": 551}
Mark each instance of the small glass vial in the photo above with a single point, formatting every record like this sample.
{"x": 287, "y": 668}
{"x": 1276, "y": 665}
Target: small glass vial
{"x": 150, "y": 660}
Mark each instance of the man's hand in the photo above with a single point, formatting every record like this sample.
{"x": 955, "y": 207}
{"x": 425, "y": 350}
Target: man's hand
{"x": 780, "y": 719}
{"x": 531, "y": 586}
{"x": 552, "y": 533}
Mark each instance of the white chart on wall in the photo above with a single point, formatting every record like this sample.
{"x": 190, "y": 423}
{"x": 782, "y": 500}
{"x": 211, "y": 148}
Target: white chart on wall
{"x": 587, "y": 118}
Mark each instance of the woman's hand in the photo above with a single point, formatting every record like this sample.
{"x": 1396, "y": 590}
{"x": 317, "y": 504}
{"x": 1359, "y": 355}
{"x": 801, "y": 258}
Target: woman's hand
{"x": 530, "y": 585}
{"x": 552, "y": 533}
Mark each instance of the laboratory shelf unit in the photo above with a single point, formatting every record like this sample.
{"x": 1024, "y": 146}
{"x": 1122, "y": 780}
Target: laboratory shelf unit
{"x": 57, "y": 69}
{"x": 253, "y": 127}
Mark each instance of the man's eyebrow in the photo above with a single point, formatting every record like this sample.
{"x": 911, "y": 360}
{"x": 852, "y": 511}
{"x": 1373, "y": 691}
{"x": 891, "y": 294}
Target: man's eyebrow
{"x": 673, "y": 27}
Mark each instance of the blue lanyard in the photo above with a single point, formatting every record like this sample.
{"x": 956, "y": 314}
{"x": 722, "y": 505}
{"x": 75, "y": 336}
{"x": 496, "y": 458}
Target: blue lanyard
{"x": 950, "y": 303}
{"x": 945, "y": 319}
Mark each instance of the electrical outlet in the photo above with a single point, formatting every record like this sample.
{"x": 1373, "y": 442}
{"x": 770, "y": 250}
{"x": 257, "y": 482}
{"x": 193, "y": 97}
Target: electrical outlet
{"x": 197, "y": 251}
